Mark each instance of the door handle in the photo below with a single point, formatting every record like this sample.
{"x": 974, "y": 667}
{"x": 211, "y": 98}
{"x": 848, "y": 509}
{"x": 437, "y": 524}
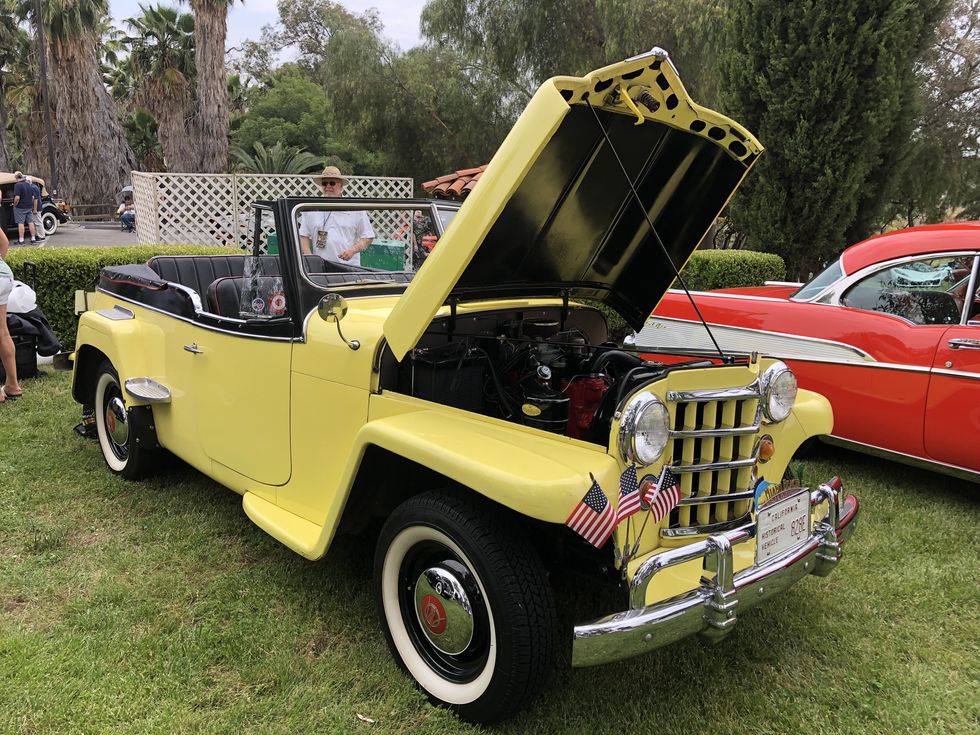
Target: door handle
{"x": 965, "y": 344}
{"x": 193, "y": 348}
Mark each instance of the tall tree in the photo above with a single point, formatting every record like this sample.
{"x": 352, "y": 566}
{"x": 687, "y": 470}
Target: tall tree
{"x": 211, "y": 20}
{"x": 830, "y": 89}
{"x": 940, "y": 181}
{"x": 8, "y": 47}
{"x": 161, "y": 65}
{"x": 422, "y": 112}
{"x": 526, "y": 41}
{"x": 94, "y": 158}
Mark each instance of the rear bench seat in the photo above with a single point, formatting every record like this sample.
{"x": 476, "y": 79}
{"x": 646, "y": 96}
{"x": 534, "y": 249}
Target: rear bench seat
{"x": 220, "y": 279}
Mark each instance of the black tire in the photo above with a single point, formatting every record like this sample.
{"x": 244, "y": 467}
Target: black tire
{"x": 50, "y": 222}
{"x": 125, "y": 456}
{"x": 510, "y": 619}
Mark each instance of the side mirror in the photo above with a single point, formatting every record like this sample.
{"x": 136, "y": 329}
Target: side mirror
{"x": 333, "y": 308}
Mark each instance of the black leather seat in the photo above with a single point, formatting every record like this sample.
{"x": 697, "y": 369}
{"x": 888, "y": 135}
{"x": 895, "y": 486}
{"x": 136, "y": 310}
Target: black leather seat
{"x": 199, "y": 271}
{"x": 224, "y": 297}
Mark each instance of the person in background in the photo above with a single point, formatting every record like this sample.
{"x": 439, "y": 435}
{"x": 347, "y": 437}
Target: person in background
{"x": 38, "y": 222}
{"x": 335, "y": 235}
{"x": 127, "y": 213}
{"x": 24, "y": 204}
{"x": 8, "y": 354}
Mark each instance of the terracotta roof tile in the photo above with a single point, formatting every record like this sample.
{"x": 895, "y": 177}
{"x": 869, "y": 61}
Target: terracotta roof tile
{"x": 455, "y": 185}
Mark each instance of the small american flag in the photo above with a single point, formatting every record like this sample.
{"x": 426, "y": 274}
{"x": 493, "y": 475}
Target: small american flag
{"x": 629, "y": 494}
{"x": 664, "y": 496}
{"x": 593, "y": 518}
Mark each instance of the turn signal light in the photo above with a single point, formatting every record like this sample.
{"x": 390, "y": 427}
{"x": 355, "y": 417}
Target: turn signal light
{"x": 766, "y": 449}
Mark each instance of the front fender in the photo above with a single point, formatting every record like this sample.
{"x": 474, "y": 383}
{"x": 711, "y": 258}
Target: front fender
{"x": 540, "y": 477}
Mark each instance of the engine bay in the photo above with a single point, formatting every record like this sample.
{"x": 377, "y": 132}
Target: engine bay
{"x": 551, "y": 369}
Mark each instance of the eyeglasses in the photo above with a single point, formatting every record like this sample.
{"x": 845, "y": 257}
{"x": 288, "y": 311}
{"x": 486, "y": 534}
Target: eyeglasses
{"x": 329, "y": 183}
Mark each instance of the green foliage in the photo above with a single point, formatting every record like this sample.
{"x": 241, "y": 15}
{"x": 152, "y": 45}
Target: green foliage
{"x": 829, "y": 89}
{"x": 289, "y": 109}
{"x": 141, "y": 133}
{"x": 710, "y": 269}
{"x": 279, "y": 159}
{"x": 62, "y": 271}
{"x": 524, "y": 43}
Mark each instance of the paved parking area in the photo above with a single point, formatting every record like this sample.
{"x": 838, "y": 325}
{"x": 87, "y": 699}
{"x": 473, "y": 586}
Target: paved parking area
{"x": 73, "y": 234}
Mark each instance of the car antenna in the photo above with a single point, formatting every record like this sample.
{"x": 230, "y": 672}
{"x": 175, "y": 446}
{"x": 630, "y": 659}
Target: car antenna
{"x": 653, "y": 229}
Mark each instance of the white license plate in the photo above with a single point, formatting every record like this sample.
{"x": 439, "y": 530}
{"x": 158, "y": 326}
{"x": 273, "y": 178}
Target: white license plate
{"x": 782, "y": 526}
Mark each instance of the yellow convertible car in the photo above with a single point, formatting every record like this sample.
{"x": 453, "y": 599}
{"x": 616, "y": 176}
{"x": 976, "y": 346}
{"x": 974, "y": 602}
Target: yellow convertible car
{"x": 477, "y": 406}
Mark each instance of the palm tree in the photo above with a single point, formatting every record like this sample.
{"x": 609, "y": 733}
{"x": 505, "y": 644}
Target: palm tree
{"x": 279, "y": 159}
{"x": 161, "y": 64}
{"x": 211, "y": 17}
{"x": 8, "y": 42}
{"x": 94, "y": 158}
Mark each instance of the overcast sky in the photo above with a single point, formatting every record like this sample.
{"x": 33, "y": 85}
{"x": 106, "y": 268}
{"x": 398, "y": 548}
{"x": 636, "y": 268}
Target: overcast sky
{"x": 400, "y": 17}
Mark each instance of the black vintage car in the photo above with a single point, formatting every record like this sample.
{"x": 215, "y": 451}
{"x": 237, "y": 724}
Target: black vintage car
{"x": 54, "y": 212}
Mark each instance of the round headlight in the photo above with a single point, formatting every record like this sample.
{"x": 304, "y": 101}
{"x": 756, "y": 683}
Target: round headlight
{"x": 778, "y": 392}
{"x": 644, "y": 430}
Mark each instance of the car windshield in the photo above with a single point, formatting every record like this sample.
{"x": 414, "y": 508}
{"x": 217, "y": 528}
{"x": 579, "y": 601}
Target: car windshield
{"x": 816, "y": 285}
{"x": 365, "y": 241}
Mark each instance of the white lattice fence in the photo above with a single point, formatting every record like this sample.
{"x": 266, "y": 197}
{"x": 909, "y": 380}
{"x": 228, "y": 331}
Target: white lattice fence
{"x": 214, "y": 209}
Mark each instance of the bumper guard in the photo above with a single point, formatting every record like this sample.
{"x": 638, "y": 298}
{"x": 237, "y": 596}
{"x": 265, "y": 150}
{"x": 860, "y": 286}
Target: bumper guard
{"x": 711, "y": 608}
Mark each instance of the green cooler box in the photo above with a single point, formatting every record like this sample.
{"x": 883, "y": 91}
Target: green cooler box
{"x": 387, "y": 255}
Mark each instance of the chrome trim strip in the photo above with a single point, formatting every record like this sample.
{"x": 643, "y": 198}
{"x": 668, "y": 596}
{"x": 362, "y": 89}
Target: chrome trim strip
{"x": 722, "y": 498}
{"x": 704, "y": 433}
{"x": 753, "y": 390}
{"x": 712, "y": 466}
{"x": 726, "y": 295}
{"x": 738, "y": 523}
{"x": 956, "y": 373}
{"x": 952, "y": 470}
{"x": 833, "y": 350}
{"x": 116, "y": 313}
{"x": 196, "y": 323}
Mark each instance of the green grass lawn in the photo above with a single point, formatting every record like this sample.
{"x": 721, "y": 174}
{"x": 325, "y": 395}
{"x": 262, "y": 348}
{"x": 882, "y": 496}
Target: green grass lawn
{"x": 159, "y": 608}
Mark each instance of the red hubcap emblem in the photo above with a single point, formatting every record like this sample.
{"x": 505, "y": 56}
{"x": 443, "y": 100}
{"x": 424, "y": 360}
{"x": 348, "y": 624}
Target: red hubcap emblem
{"x": 433, "y": 614}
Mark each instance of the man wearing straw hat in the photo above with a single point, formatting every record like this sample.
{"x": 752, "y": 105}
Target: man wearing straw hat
{"x": 335, "y": 235}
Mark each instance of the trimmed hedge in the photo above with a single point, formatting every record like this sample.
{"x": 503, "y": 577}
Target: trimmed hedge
{"x": 62, "y": 271}
{"x": 709, "y": 269}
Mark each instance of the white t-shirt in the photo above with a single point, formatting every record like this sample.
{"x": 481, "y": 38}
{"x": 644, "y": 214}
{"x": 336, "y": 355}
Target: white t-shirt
{"x": 331, "y": 233}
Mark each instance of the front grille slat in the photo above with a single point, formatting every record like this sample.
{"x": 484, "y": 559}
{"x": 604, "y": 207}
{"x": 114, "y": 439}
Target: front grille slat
{"x": 712, "y": 451}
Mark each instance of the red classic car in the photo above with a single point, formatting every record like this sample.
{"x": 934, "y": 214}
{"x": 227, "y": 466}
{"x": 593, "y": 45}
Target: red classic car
{"x": 890, "y": 333}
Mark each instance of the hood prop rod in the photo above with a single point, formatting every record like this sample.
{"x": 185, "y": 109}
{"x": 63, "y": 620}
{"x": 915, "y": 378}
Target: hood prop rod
{"x": 653, "y": 230}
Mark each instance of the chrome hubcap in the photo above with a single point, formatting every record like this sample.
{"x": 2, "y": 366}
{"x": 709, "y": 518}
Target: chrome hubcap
{"x": 115, "y": 421}
{"x": 443, "y": 608}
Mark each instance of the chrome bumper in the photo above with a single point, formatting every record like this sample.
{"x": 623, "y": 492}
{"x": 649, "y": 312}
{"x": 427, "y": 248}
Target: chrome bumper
{"x": 712, "y": 608}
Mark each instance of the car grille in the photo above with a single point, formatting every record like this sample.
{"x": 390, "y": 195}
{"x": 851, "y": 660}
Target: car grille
{"x": 712, "y": 449}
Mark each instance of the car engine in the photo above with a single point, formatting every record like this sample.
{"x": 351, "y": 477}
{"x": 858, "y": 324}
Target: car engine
{"x": 541, "y": 370}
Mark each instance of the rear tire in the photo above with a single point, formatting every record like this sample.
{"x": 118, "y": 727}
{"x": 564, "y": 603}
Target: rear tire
{"x": 465, "y": 605}
{"x": 119, "y": 428}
